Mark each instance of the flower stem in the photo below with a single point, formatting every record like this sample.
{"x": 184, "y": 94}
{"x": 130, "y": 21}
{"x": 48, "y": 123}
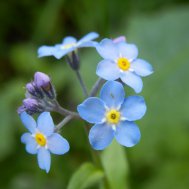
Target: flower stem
{"x": 63, "y": 122}
{"x": 63, "y": 111}
{"x": 83, "y": 86}
{"x": 96, "y": 86}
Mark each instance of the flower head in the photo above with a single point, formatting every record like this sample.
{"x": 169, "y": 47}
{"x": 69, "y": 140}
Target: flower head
{"x": 40, "y": 95}
{"x": 68, "y": 45}
{"x": 42, "y": 140}
{"x": 120, "y": 61}
{"x": 113, "y": 116}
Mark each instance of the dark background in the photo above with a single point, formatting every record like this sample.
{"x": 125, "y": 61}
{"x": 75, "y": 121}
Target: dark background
{"x": 159, "y": 28}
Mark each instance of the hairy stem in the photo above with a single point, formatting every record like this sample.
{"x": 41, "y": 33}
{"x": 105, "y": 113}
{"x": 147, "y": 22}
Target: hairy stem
{"x": 83, "y": 86}
{"x": 63, "y": 122}
{"x": 96, "y": 86}
{"x": 63, "y": 111}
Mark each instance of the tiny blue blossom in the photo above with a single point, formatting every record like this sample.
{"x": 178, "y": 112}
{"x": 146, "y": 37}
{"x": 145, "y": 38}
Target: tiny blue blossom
{"x": 120, "y": 61}
{"x": 113, "y": 116}
{"x": 68, "y": 45}
{"x": 42, "y": 140}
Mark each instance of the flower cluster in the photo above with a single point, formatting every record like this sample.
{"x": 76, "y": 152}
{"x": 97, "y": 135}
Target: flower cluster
{"x": 39, "y": 95}
{"x": 112, "y": 113}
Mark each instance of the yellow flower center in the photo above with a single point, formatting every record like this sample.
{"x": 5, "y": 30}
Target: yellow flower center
{"x": 67, "y": 46}
{"x": 113, "y": 116}
{"x": 40, "y": 139}
{"x": 123, "y": 63}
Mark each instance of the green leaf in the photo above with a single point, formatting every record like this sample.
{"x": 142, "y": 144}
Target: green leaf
{"x": 87, "y": 175}
{"x": 115, "y": 164}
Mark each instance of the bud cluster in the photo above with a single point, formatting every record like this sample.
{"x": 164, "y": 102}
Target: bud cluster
{"x": 40, "y": 95}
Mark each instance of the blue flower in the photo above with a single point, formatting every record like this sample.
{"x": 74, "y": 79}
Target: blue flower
{"x": 42, "y": 140}
{"x": 113, "y": 116}
{"x": 120, "y": 61}
{"x": 68, "y": 45}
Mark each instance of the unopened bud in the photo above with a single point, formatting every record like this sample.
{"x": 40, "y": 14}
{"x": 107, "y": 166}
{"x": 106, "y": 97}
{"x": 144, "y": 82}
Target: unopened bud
{"x": 43, "y": 81}
{"x": 34, "y": 90}
{"x": 32, "y": 106}
{"x": 21, "y": 109}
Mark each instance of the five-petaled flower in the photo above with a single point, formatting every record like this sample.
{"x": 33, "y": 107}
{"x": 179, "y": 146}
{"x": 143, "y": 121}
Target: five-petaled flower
{"x": 113, "y": 116}
{"x": 120, "y": 61}
{"x": 68, "y": 45}
{"x": 42, "y": 140}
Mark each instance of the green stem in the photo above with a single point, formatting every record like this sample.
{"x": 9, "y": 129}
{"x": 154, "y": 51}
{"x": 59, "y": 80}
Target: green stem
{"x": 63, "y": 122}
{"x": 83, "y": 86}
{"x": 96, "y": 87}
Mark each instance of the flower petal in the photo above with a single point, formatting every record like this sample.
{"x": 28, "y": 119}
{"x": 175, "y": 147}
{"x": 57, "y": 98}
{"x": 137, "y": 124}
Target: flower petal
{"x": 31, "y": 145}
{"x": 87, "y": 44}
{"x": 69, "y": 40}
{"x": 108, "y": 70}
{"x": 133, "y": 108}
{"x": 57, "y": 144}
{"x": 112, "y": 93}
{"x": 107, "y": 49}
{"x": 59, "y": 51}
{"x": 127, "y": 133}
{"x": 100, "y": 136}
{"x": 141, "y": 67}
{"x": 26, "y": 137}
{"x": 45, "y": 51}
{"x": 28, "y": 122}
{"x": 88, "y": 37}
{"x": 45, "y": 123}
{"x": 129, "y": 51}
{"x": 133, "y": 80}
{"x": 92, "y": 110}
{"x": 44, "y": 159}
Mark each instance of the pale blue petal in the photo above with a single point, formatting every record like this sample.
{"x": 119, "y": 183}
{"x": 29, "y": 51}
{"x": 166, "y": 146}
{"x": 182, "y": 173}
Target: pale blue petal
{"x": 132, "y": 80}
{"x": 108, "y": 70}
{"x": 57, "y": 144}
{"x": 92, "y": 110}
{"x": 100, "y": 136}
{"x": 107, "y": 49}
{"x": 28, "y": 122}
{"x": 45, "y": 123}
{"x": 44, "y": 159}
{"x": 89, "y": 37}
{"x": 45, "y": 51}
{"x": 59, "y": 52}
{"x": 69, "y": 40}
{"x": 127, "y": 133}
{"x": 112, "y": 93}
{"x": 26, "y": 137}
{"x": 31, "y": 145}
{"x": 87, "y": 44}
{"x": 129, "y": 51}
{"x": 133, "y": 108}
{"x": 141, "y": 67}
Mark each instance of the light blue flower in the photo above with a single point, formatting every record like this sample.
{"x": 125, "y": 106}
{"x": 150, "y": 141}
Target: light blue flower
{"x": 42, "y": 140}
{"x": 120, "y": 61}
{"x": 113, "y": 116}
{"x": 68, "y": 45}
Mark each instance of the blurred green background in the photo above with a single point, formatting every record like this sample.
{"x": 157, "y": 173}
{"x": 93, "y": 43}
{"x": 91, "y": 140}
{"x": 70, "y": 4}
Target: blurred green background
{"x": 160, "y": 29}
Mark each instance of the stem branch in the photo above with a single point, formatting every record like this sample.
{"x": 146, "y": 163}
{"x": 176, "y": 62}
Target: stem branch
{"x": 83, "y": 86}
{"x": 96, "y": 86}
{"x": 63, "y": 122}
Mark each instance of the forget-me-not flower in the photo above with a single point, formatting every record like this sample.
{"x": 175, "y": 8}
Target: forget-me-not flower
{"x": 120, "y": 61}
{"x": 113, "y": 116}
{"x": 68, "y": 45}
{"x": 42, "y": 140}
